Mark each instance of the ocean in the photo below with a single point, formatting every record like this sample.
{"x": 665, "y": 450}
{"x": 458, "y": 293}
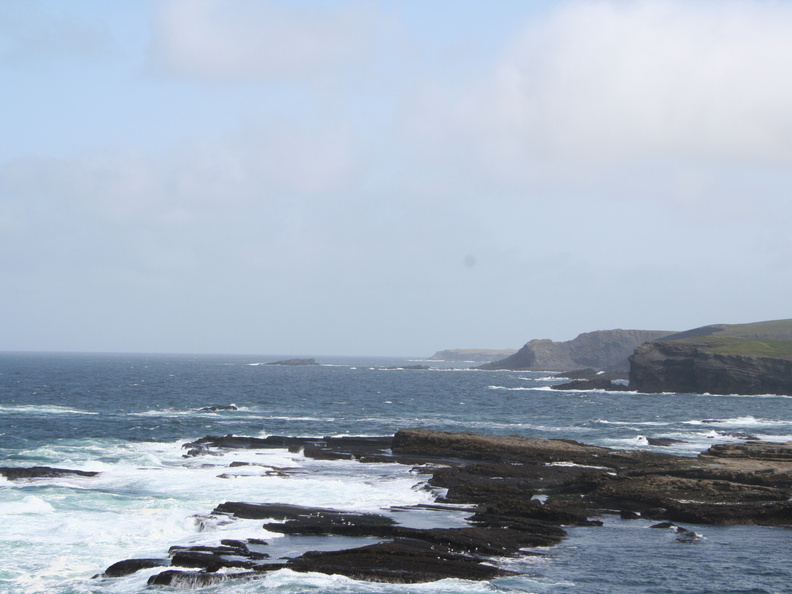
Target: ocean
{"x": 127, "y": 417}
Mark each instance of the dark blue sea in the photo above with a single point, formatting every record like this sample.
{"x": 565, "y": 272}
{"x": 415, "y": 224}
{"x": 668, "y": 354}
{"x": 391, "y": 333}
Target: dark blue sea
{"x": 127, "y": 416}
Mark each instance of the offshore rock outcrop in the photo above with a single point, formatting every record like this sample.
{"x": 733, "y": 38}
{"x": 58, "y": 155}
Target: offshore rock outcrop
{"x": 720, "y": 359}
{"x": 472, "y": 355}
{"x": 600, "y": 350}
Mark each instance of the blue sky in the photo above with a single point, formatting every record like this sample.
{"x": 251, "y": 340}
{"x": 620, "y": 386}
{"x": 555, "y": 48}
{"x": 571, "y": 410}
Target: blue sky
{"x": 389, "y": 177}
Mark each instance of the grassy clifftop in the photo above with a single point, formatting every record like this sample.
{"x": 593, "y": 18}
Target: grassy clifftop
{"x": 764, "y": 339}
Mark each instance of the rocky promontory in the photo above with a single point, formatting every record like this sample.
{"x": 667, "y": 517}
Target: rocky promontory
{"x": 718, "y": 359}
{"x": 522, "y": 494}
{"x": 600, "y": 350}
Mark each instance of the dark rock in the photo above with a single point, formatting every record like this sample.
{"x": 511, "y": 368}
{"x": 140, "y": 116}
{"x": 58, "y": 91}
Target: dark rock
{"x": 738, "y": 435}
{"x": 36, "y": 472}
{"x": 505, "y": 511}
{"x": 300, "y": 514}
{"x": 321, "y": 453}
{"x": 404, "y": 561}
{"x": 662, "y": 441}
{"x": 294, "y": 362}
{"x": 743, "y": 483}
{"x": 193, "y": 580}
{"x": 472, "y": 446}
{"x": 209, "y": 561}
{"x": 338, "y": 523}
{"x": 129, "y": 566}
{"x": 218, "y": 408}
{"x": 595, "y": 383}
{"x": 755, "y": 450}
{"x": 340, "y": 448}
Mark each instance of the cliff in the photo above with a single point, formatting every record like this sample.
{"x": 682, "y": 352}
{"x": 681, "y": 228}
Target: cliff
{"x": 719, "y": 359}
{"x": 472, "y": 355}
{"x": 602, "y": 349}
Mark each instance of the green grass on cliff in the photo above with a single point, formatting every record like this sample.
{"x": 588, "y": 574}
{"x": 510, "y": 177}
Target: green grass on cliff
{"x": 761, "y": 339}
{"x": 782, "y": 327}
{"x": 726, "y": 345}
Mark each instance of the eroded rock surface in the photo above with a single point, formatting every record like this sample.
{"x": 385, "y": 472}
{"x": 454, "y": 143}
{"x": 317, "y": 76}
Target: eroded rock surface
{"x": 503, "y": 478}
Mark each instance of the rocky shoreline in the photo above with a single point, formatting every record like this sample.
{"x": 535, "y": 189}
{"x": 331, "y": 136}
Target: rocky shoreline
{"x": 521, "y": 493}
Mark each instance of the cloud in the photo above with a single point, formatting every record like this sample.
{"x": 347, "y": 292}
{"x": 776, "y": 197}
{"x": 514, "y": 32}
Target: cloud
{"x": 259, "y": 39}
{"x": 28, "y": 31}
{"x": 597, "y": 86}
{"x": 269, "y": 162}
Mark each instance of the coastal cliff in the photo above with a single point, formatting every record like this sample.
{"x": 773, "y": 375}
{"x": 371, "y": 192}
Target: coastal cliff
{"x": 600, "y": 350}
{"x": 719, "y": 359}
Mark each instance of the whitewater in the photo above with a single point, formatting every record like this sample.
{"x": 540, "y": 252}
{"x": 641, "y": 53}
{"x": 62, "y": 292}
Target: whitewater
{"x": 128, "y": 416}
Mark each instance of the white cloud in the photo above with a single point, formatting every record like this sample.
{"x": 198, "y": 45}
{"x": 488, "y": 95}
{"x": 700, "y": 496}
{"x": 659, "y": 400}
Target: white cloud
{"x": 598, "y": 85}
{"x": 255, "y": 39}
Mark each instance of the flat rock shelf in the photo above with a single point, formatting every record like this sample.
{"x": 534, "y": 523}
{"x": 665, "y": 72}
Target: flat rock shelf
{"x": 520, "y": 493}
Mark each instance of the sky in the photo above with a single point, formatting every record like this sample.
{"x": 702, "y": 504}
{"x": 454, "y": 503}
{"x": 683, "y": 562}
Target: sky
{"x": 389, "y": 177}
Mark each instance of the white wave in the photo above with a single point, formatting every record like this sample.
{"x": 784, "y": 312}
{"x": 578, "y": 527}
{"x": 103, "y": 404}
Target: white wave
{"x": 632, "y": 423}
{"x": 573, "y": 465}
{"x": 286, "y": 580}
{"x": 29, "y": 504}
{"x": 146, "y": 499}
{"x": 737, "y": 422}
{"x": 774, "y": 438}
{"x": 580, "y": 391}
{"x": 43, "y": 409}
{"x": 297, "y": 418}
{"x": 175, "y": 412}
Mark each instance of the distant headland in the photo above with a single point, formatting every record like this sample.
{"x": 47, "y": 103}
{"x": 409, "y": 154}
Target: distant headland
{"x": 719, "y": 359}
{"x": 753, "y": 358}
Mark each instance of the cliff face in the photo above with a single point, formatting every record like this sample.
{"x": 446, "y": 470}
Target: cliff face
{"x": 690, "y": 366}
{"x": 603, "y": 349}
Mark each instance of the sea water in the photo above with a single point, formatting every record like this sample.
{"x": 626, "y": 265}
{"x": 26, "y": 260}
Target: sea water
{"x": 127, "y": 417}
